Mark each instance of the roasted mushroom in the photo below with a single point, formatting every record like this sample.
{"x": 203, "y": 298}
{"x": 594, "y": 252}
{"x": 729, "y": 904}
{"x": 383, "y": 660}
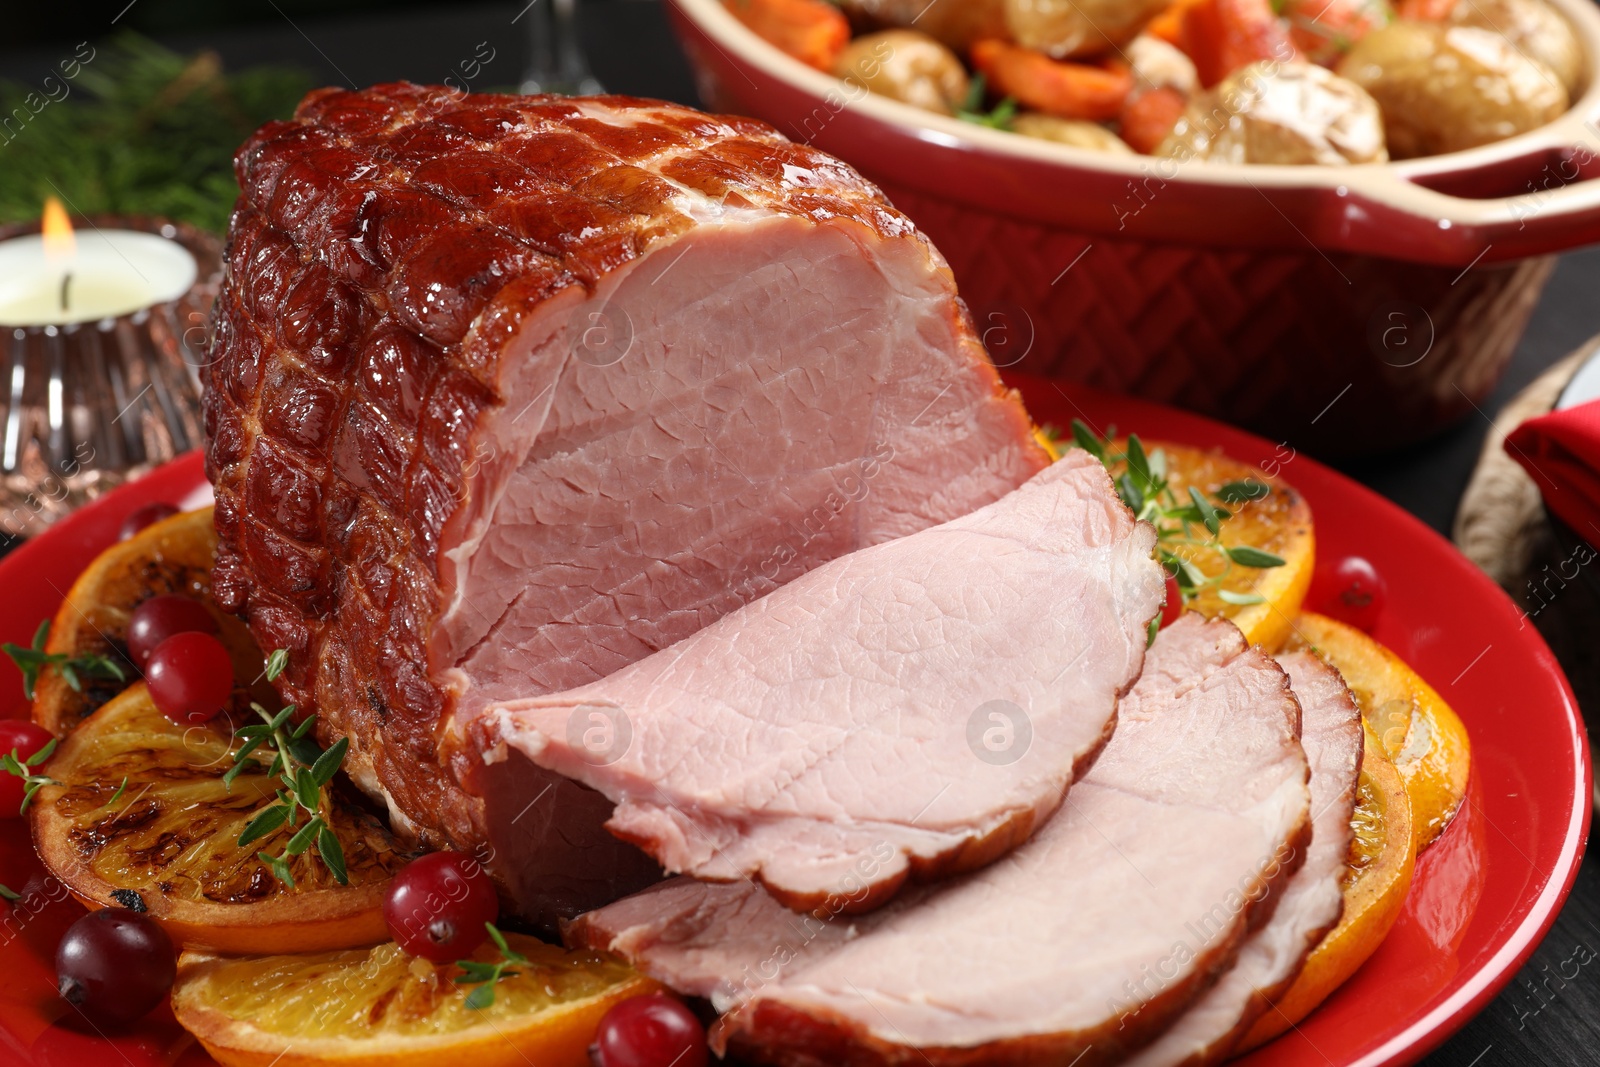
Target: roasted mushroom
{"x": 1270, "y": 112}
{"x": 1445, "y": 88}
{"x": 908, "y": 66}
{"x": 1533, "y": 27}
{"x": 1074, "y": 132}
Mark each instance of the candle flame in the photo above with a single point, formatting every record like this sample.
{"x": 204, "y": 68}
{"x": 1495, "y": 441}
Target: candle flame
{"x": 56, "y": 230}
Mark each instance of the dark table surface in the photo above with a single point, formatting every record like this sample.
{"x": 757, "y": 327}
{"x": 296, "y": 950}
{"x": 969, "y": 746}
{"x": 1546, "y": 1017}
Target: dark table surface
{"x": 1541, "y": 1018}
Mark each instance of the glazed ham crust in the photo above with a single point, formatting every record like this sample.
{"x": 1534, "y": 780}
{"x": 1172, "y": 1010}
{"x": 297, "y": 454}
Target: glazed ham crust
{"x": 413, "y": 470}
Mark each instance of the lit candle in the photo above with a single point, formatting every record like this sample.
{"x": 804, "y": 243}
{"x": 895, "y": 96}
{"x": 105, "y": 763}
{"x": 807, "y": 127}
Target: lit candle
{"x": 57, "y": 277}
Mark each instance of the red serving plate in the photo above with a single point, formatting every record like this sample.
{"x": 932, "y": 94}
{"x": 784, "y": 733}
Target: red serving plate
{"x": 1483, "y": 897}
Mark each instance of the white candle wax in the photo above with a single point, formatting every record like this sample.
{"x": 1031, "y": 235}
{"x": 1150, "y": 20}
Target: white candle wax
{"x": 112, "y": 272}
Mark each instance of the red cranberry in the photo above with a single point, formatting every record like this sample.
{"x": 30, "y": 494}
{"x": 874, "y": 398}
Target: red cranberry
{"x": 114, "y": 966}
{"x": 159, "y": 618}
{"x": 1351, "y": 591}
{"x": 145, "y": 516}
{"x": 650, "y": 1031}
{"x": 190, "y": 676}
{"x": 1173, "y": 606}
{"x": 24, "y": 738}
{"x": 438, "y": 904}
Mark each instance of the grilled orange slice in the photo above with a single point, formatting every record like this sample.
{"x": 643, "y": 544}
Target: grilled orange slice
{"x": 1418, "y": 730}
{"x": 1376, "y": 883}
{"x": 1278, "y": 522}
{"x": 141, "y": 818}
{"x": 379, "y": 1007}
{"x": 174, "y": 555}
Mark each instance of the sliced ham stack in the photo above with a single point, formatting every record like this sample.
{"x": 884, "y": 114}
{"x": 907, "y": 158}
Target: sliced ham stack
{"x": 914, "y": 708}
{"x": 1312, "y": 902}
{"x": 510, "y": 392}
{"x": 1085, "y": 941}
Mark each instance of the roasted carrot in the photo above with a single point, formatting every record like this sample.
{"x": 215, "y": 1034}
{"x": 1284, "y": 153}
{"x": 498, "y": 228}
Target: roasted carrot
{"x": 1425, "y": 10}
{"x": 1071, "y": 90}
{"x": 1169, "y": 24}
{"x": 1325, "y": 29}
{"x": 1150, "y": 116}
{"x": 813, "y": 31}
{"x": 1223, "y": 35}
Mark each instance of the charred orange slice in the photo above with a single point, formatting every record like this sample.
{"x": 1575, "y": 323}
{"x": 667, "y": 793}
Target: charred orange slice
{"x": 1377, "y": 880}
{"x": 1271, "y": 517}
{"x": 141, "y": 817}
{"x": 174, "y": 555}
{"x": 1417, "y": 729}
{"x": 1278, "y": 522}
{"x": 379, "y": 1007}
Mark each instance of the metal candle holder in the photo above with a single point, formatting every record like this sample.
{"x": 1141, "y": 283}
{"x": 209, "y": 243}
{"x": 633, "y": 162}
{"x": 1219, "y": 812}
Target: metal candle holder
{"x": 88, "y": 406}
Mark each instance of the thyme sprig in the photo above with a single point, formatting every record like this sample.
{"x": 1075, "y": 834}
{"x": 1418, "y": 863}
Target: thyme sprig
{"x": 73, "y": 669}
{"x": 1187, "y": 526}
{"x": 486, "y": 975}
{"x": 971, "y": 109}
{"x": 305, "y": 771}
{"x": 14, "y": 764}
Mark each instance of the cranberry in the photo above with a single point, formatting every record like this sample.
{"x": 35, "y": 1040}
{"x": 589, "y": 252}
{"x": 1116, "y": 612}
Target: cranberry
{"x": 1351, "y": 591}
{"x": 114, "y": 966}
{"x": 23, "y": 738}
{"x": 650, "y": 1031}
{"x": 145, "y": 516}
{"x": 438, "y": 905}
{"x": 1173, "y": 606}
{"x": 190, "y": 677}
{"x": 159, "y": 618}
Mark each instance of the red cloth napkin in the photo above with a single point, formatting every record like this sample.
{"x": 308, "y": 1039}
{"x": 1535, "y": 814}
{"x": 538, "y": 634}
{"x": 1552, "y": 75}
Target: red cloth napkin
{"x": 1561, "y": 451}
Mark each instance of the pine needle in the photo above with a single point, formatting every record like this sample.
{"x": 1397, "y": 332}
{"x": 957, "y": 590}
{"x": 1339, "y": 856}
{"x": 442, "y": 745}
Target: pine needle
{"x": 143, "y": 131}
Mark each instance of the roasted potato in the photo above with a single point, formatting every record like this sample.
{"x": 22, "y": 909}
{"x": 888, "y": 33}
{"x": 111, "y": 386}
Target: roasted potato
{"x": 1159, "y": 65}
{"x": 1065, "y": 29}
{"x": 1268, "y": 112}
{"x": 1534, "y": 28}
{"x": 1060, "y": 28}
{"x": 956, "y": 23}
{"x": 1445, "y": 88}
{"x": 1074, "y": 132}
{"x": 908, "y": 66}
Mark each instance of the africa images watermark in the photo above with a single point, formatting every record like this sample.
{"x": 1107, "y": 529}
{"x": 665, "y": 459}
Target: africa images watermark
{"x": 52, "y": 90}
{"x": 850, "y": 487}
{"x": 1203, "y": 932}
{"x": 1158, "y": 171}
{"x": 851, "y": 89}
{"x": 52, "y": 488}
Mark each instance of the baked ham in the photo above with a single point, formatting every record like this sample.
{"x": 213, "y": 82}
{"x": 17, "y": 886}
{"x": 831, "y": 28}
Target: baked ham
{"x": 1084, "y": 942}
{"x": 510, "y": 392}
{"x": 912, "y": 709}
{"x": 1313, "y": 899}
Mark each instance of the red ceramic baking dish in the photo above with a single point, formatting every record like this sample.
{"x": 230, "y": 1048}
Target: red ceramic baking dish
{"x": 1347, "y": 310}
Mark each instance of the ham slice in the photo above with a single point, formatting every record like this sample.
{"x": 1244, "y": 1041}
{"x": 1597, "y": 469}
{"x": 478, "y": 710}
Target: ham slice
{"x": 1084, "y": 942}
{"x": 508, "y": 392}
{"x": 912, "y": 709}
{"x": 1314, "y": 897}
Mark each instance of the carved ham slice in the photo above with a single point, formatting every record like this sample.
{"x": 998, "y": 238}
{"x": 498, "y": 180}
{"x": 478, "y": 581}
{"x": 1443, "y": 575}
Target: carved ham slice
{"x": 1083, "y": 942}
{"x": 1314, "y": 897}
{"x": 914, "y": 708}
{"x": 510, "y": 392}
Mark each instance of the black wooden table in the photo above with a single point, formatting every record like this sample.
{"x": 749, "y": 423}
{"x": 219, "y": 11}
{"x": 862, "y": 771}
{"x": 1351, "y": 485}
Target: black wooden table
{"x": 1542, "y": 1019}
